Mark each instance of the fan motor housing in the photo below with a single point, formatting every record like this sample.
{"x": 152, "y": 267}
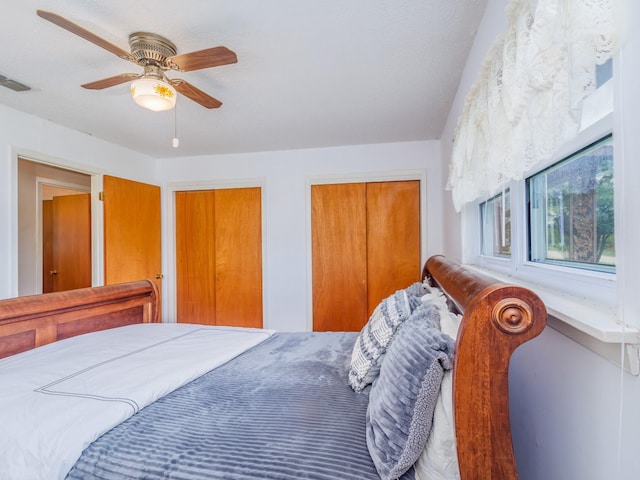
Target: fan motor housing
{"x": 151, "y": 48}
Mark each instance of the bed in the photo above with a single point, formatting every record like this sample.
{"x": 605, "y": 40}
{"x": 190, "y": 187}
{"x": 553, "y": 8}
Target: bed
{"x": 198, "y": 402}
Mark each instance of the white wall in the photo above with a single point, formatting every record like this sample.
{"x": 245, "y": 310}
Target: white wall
{"x": 574, "y": 414}
{"x": 285, "y": 177}
{"x": 34, "y": 138}
{"x": 493, "y": 22}
{"x": 566, "y": 406}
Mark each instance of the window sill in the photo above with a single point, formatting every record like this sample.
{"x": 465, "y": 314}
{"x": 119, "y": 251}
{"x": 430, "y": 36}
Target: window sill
{"x": 595, "y": 327}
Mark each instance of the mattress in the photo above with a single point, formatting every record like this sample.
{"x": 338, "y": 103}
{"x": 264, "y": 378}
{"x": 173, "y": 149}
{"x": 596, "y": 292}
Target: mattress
{"x": 56, "y": 399}
{"x": 281, "y": 410}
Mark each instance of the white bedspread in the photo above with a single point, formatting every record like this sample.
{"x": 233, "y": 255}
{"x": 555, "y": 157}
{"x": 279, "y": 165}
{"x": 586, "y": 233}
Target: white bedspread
{"x": 53, "y": 398}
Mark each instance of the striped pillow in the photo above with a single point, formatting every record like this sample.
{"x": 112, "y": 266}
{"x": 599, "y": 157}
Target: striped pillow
{"x": 375, "y": 337}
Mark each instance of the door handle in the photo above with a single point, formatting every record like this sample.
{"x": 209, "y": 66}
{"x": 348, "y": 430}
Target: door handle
{"x": 159, "y": 276}
{"x": 53, "y": 272}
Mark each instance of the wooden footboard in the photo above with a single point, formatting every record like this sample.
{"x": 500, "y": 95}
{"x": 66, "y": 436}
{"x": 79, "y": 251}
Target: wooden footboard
{"x": 30, "y": 321}
{"x": 497, "y": 319}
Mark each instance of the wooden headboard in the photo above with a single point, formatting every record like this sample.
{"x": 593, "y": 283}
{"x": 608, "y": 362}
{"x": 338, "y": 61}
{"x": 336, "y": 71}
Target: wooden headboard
{"x": 497, "y": 319}
{"x": 30, "y": 321}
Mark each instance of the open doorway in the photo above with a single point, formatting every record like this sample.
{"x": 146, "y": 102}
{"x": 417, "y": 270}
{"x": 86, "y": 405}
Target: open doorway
{"x": 41, "y": 246}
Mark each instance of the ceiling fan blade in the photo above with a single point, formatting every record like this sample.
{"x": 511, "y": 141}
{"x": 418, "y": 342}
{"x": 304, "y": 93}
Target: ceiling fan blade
{"x": 209, "y": 57}
{"x": 86, "y": 34}
{"x": 111, "y": 81}
{"x": 195, "y": 94}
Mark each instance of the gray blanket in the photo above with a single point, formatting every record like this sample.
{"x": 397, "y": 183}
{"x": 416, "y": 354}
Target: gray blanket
{"x": 282, "y": 410}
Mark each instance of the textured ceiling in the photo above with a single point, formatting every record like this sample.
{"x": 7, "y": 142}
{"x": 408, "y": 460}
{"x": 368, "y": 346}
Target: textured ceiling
{"x": 309, "y": 73}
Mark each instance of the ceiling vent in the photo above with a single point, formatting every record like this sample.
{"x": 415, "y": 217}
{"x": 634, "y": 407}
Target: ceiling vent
{"x": 13, "y": 85}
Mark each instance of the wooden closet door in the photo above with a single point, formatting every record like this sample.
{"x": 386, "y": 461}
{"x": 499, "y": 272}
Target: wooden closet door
{"x": 365, "y": 246}
{"x": 238, "y": 246}
{"x": 339, "y": 256}
{"x": 195, "y": 257}
{"x": 219, "y": 257}
{"x": 393, "y": 238}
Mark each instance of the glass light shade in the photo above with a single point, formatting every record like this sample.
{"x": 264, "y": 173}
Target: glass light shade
{"x": 153, "y": 94}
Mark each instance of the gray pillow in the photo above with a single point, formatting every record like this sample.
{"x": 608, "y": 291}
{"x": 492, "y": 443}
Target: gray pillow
{"x": 403, "y": 397}
{"x": 374, "y": 338}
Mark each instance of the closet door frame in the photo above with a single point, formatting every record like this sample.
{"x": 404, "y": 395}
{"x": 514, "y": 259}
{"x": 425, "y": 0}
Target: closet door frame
{"x": 169, "y": 246}
{"x": 428, "y": 238}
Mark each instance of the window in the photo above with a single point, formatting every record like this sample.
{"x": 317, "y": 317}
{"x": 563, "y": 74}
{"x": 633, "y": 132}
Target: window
{"x": 552, "y": 229}
{"x": 495, "y": 225}
{"x": 561, "y": 235}
{"x": 571, "y": 221}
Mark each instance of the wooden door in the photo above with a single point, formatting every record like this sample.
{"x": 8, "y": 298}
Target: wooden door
{"x": 238, "y": 245}
{"x": 339, "y": 256}
{"x": 195, "y": 257}
{"x": 393, "y": 238}
{"x": 365, "y": 246}
{"x": 71, "y": 242}
{"x": 132, "y": 232}
{"x": 219, "y": 257}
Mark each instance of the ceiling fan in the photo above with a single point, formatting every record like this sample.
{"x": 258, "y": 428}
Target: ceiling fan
{"x": 155, "y": 54}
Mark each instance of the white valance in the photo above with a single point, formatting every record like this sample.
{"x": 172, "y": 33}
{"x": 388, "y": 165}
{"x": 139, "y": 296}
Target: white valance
{"x": 527, "y": 99}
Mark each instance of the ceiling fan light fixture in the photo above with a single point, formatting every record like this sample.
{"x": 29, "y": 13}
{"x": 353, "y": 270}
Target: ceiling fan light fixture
{"x": 153, "y": 94}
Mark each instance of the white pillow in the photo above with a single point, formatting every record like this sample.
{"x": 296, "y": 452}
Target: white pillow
{"x": 450, "y": 324}
{"x": 439, "y": 459}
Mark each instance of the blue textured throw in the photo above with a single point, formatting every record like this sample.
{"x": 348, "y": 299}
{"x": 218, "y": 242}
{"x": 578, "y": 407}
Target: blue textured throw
{"x": 403, "y": 398}
{"x": 282, "y": 410}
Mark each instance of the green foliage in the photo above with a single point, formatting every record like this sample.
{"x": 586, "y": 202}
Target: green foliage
{"x": 604, "y": 213}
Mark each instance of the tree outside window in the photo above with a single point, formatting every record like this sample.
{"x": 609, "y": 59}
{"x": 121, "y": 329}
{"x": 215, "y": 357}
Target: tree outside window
{"x": 571, "y": 210}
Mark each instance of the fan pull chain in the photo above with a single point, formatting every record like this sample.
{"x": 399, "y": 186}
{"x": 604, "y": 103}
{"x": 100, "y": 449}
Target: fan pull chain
{"x": 175, "y": 143}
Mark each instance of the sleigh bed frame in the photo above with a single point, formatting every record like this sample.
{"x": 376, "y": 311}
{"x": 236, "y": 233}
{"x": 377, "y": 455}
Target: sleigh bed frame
{"x": 497, "y": 318}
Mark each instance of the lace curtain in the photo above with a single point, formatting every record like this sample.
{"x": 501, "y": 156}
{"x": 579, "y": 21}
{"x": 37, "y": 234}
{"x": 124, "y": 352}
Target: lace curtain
{"x": 527, "y": 99}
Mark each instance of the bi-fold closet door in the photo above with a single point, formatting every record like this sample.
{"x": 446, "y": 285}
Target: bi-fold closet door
{"x": 219, "y": 256}
{"x": 365, "y": 246}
